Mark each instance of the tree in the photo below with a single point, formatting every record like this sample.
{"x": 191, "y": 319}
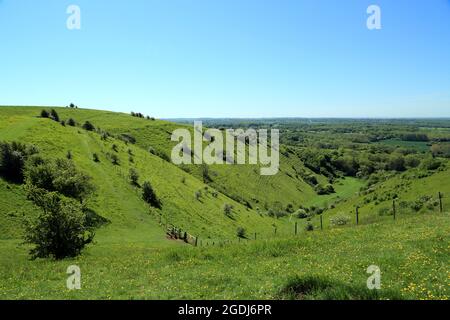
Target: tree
{"x": 88, "y": 126}
{"x": 59, "y": 175}
{"x": 12, "y": 160}
{"x": 240, "y": 232}
{"x": 71, "y": 122}
{"x": 61, "y": 229}
{"x": 44, "y": 114}
{"x": 205, "y": 174}
{"x": 149, "y": 195}
{"x": 134, "y": 176}
{"x": 54, "y": 115}
{"x": 72, "y": 105}
{"x": 227, "y": 209}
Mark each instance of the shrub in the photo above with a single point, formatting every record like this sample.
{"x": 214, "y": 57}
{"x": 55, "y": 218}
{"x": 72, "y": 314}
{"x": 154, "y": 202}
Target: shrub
{"x": 309, "y": 227}
{"x": 322, "y": 190}
{"x": 71, "y": 122}
{"x": 240, "y": 232}
{"x": 88, "y": 126}
{"x": 54, "y": 115}
{"x": 149, "y": 195}
{"x": 59, "y": 175}
{"x": 339, "y": 220}
{"x": 44, "y": 114}
{"x": 227, "y": 210}
{"x": 134, "y": 176}
{"x": 205, "y": 174}
{"x": 95, "y": 157}
{"x": 12, "y": 160}
{"x": 301, "y": 214}
{"x": 69, "y": 155}
{"x": 114, "y": 159}
{"x": 127, "y": 138}
{"x": 431, "y": 164}
{"x": 60, "y": 230}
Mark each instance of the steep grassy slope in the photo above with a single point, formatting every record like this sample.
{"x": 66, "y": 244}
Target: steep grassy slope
{"x": 241, "y": 182}
{"x": 412, "y": 255}
{"x": 116, "y": 199}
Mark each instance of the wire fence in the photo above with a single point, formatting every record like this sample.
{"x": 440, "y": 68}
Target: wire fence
{"x": 390, "y": 210}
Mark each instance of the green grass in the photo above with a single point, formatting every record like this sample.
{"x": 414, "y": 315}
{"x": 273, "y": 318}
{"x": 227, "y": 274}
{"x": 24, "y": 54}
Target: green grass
{"x": 420, "y": 146}
{"x": 132, "y": 258}
{"x": 412, "y": 254}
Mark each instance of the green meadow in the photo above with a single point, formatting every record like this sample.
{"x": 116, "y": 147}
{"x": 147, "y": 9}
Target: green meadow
{"x": 134, "y": 256}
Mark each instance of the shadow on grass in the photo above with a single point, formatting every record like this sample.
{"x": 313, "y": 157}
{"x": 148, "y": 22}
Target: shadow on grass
{"x": 95, "y": 220}
{"x": 320, "y": 288}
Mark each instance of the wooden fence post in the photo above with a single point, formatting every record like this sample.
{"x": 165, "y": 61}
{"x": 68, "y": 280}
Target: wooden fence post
{"x": 394, "y": 208}
{"x": 196, "y": 240}
{"x": 441, "y": 209}
{"x": 296, "y": 228}
{"x": 255, "y": 235}
{"x": 321, "y": 222}
{"x": 357, "y": 215}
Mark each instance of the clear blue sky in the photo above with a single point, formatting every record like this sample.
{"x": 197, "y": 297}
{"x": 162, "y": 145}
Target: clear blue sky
{"x": 229, "y": 58}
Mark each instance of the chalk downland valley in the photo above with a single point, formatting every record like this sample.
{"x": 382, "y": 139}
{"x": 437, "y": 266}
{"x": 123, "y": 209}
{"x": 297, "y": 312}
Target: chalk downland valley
{"x": 350, "y": 193}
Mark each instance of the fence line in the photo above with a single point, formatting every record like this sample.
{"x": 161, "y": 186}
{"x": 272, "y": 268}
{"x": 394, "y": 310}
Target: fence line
{"x": 396, "y": 210}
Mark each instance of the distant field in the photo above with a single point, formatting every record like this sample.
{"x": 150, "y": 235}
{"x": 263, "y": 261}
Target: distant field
{"x": 420, "y": 146}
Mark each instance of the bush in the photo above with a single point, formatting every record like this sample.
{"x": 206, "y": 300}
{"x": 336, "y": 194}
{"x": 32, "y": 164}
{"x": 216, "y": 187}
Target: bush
{"x": 322, "y": 190}
{"x": 88, "y": 126}
{"x": 301, "y": 214}
{"x": 95, "y": 157}
{"x": 339, "y": 220}
{"x": 309, "y": 227}
{"x": 127, "y": 138}
{"x": 205, "y": 174}
{"x": 54, "y": 115}
{"x": 60, "y": 230}
{"x": 134, "y": 176}
{"x": 431, "y": 164}
{"x": 114, "y": 159}
{"x": 71, "y": 122}
{"x": 149, "y": 195}
{"x": 227, "y": 210}
{"x": 44, "y": 114}
{"x": 59, "y": 175}
{"x": 12, "y": 160}
{"x": 240, "y": 232}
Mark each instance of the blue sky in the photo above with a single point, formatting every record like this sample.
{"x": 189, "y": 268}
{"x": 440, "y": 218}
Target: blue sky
{"x": 229, "y": 58}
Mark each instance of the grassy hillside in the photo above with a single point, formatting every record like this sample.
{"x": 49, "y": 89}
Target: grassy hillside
{"x": 412, "y": 255}
{"x": 132, "y": 257}
{"x": 116, "y": 199}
